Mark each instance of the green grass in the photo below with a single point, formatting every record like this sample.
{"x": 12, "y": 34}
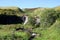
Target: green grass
{"x": 48, "y": 29}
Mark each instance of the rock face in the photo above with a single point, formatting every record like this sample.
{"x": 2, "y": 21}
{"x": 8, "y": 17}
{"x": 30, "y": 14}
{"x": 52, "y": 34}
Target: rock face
{"x": 10, "y": 15}
{"x": 10, "y": 19}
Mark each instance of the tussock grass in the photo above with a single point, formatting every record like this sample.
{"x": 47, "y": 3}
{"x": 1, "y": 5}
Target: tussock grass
{"x": 49, "y": 27}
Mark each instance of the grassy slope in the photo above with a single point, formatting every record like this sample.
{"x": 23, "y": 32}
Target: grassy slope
{"x": 52, "y": 33}
{"x": 47, "y": 31}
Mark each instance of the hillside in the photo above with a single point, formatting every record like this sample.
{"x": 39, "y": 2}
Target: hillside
{"x": 11, "y": 10}
{"x": 49, "y": 28}
{"x": 30, "y": 10}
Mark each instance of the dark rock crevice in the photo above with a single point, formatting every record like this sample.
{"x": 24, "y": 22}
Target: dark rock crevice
{"x": 10, "y": 19}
